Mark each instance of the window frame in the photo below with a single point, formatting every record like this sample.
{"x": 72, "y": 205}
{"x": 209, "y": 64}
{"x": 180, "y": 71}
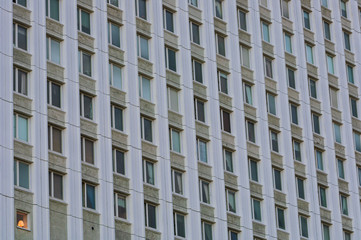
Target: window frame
{"x": 168, "y": 60}
{"x": 294, "y": 113}
{"x": 222, "y": 78}
{"x": 208, "y": 190}
{"x": 203, "y": 223}
{"x": 327, "y": 30}
{"x": 17, "y": 179}
{"x": 16, "y": 127}
{"x": 143, "y": 137}
{"x": 247, "y": 63}
{"x": 113, "y": 108}
{"x": 171, "y": 104}
{"x": 250, "y": 139}
{"x": 253, "y": 200}
{"x": 222, "y": 51}
{"x": 265, "y": 31}
{"x": 82, "y": 106}
{"x": 302, "y": 217}
{"x": 301, "y": 193}
{"x": 288, "y": 38}
{"x": 175, "y": 219}
{"x": 148, "y": 179}
{"x": 139, "y": 47}
{"x": 171, "y": 143}
{"x": 80, "y": 21}
{"x": 243, "y": 27}
{"x": 353, "y": 106}
{"x": 322, "y": 196}
{"x": 251, "y": 176}
{"x": 195, "y": 27}
{"x": 112, "y": 83}
{"x": 50, "y": 97}
{"x": 225, "y": 165}
{"x": 16, "y": 36}
{"x": 268, "y": 63}
{"x": 85, "y": 194}
{"x": 49, "y": 45}
{"x": 137, "y": 9}
{"x": 223, "y": 111}
{"x": 199, "y": 157}
{"x": 295, "y": 154}
{"x": 274, "y": 148}
{"x": 115, "y": 161}
{"x": 147, "y": 216}
{"x": 174, "y": 172}
{"x": 347, "y": 40}
{"x": 51, "y": 185}
{"x": 197, "y": 111}
{"x": 194, "y": 71}
{"x": 165, "y": 22}
{"x": 246, "y": 95}
{"x": 81, "y": 54}
{"x": 19, "y": 88}
{"x": 283, "y": 210}
{"x": 312, "y": 87}
{"x": 309, "y": 50}
{"x": 344, "y": 208}
{"x": 306, "y": 24}
{"x": 110, "y": 34}
{"x": 317, "y": 116}
{"x": 51, "y": 147}
{"x": 83, "y": 149}
{"x": 117, "y": 196}
{"x": 228, "y": 203}
{"x": 271, "y": 99}
{"x": 276, "y": 186}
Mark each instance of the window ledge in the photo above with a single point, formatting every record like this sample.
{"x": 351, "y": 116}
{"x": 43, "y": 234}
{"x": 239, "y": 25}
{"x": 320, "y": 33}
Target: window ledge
{"x": 230, "y": 173}
{"x": 170, "y": 32}
{"x": 23, "y": 95}
{"x": 203, "y": 163}
{"x": 91, "y": 210}
{"x": 54, "y": 63}
{"x": 56, "y": 153}
{"x": 58, "y": 200}
{"x": 25, "y": 229}
{"x": 176, "y": 153}
{"x": 151, "y": 185}
{"x": 116, "y": 47}
{"x": 56, "y": 108}
{"x": 121, "y": 175}
{"x": 233, "y": 214}
{"x": 119, "y": 219}
{"x": 89, "y": 165}
{"x": 21, "y": 189}
{"x": 142, "y": 19}
{"x": 22, "y": 50}
{"x": 207, "y": 204}
{"x": 221, "y": 56}
{"x": 88, "y": 119}
{"x": 201, "y": 123}
{"x": 53, "y": 20}
{"x": 23, "y": 142}
{"x": 119, "y": 131}
{"x": 86, "y": 34}
{"x": 148, "y": 142}
{"x": 113, "y": 6}
{"x": 152, "y": 229}
{"x": 197, "y": 44}
{"x": 86, "y": 76}
{"x": 179, "y": 195}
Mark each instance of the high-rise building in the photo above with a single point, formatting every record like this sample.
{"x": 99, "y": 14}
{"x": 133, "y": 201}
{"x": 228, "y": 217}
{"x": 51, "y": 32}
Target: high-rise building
{"x": 180, "y": 119}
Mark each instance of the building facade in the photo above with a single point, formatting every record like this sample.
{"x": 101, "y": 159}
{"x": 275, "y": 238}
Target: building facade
{"x": 180, "y": 119}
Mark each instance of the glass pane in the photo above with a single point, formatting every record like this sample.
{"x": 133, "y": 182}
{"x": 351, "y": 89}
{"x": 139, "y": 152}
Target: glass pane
{"x": 309, "y": 54}
{"x": 22, "y": 82}
{"x": 55, "y": 95}
{"x": 178, "y": 182}
{"x": 245, "y": 57}
{"x": 221, "y": 45}
{"x": 229, "y": 161}
{"x": 354, "y": 108}
{"x": 22, "y": 38}
{"x": 115, "y": 35}
{"x": 57, "y": 144}
{"x": 326, "y": 232}
{"x": 304, "y": 228}
{"x": 23, "y": 175}
{"x": 85, "y": 22}
{"x": 326, "y": 27}
{"x": 350, "y": 74}
{"x": 118, "y": 117}
{"x": 58, "y": 186}
{"x": 257, "y": 210}
{"x": 269, "y": 70}
{"x": 87, "y": 68}
{"x": 278, "y": 181}
{"x": 248, "y": 93}
{"x": 205, "y": 192}
{"x": 202, "y": 151}
{"x": 313, "y": 91}
{"x": 316, "y": 124}
{"x": 198, "y": 71}
{"x": 119, "y": 156}
{"x": 16, "y": 173}
{"x": 231, "y": 202}
{"x": 300, "y": 188}
{"x": 271, "y": 104}
{"x": 169, "y": 21}
{"x": 175, "y": 141}
{"x": 207, "y": 231}
{"x": 195, "y": 34}
{"x": 218, "y": 7}
{"x": 144, "y": 51}
{"x": 89, "y": 151}
{"x": 152, "y": 221}
{"x": 297, "y": 149}
{"x": 142, "y": 9}
{"x": 251, "y": 132}
{"x": 148, "y": 135}
{"x": 294, "y": 114}
{"x": 323, "y": 199}
{"x": 223, "y": 83}
{"x": 281, "y": 218}
{"x": 330, "y": 65}
{"x": 114, "y": 2}
{"x": 254, "y": 171}
{"x": 173, "y": 99}
{"x": 150, "y": 172}
{"x": 285, "y": 12}
{"x": 337, "y": 132}
{"x": 200, "y": 111}
{"x": 54, "y": 9}
{"x": 265, "y": 32}
{"x": 242, "y": 20}
{"x": 22, "y": 128}
{"x": 21, "y": 2}
{"x": 274, "y": 139}
{"x": 146, "y": 89}
{"x": 122, "y": 212}
{"x": 341, "y": 172}
{"x": 90, "y": 196}
{"x": 319, "y": 160}
{"x": 180, "y": 226}
{"x": 344, "y": 207}
{"x": 88, "y": 107}
{"x": 306, "y": 20}
{"x": 357, "y": 142}
{"x": 172, "y": 60}
{"x": 288, "y": 43}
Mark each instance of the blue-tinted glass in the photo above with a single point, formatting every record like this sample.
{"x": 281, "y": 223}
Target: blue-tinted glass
{"x": 85, "y": 22}
{"x": 115, "y": 35}
{"x": 23, "y": 175}
{"x": 90, "y": 196}
{"x": 142, "y": 8}
{"x": 23, "y": 128}
{"x": 148, "y": 135}
{"x": 152, "y": 221}
{"x": 54, "y": 9}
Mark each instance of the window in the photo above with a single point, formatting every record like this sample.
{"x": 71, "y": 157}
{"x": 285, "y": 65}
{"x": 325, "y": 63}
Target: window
{"x": 21, "y": 174}
{"x": 232, "y": 235}
{"x": 337, "y": 132}
{"x": 285, "y": 9}
{"x": 115, "y": 76}
{"x": 20, "y": 81}
{"x": 85, "y": 63}
{"x": 83, "y": 21}
{"x": 20, "y": 36}
{"x": 146, "y": 129}
{"x": 313, "y": 88}
{"x": 330, "y": 66}
{"x": 142, "y": 47}
{"x": 340, "y": 168}
{"x": 280, "y": 215}
{"x": 222, "y": 82}
{"x": 21, "y": 127}
{"x": 271, "y": 103}
{"x": 20, "y": 2}
{"x": 277, "y": 179}
{"x": 265, "y": 32}
{"x": 268, "y": 67}
{"x": 242, "y": 18}
{"x": 170, "y": 59}
{"x": 52, "y": 50}
{"x": 114, "y": 2}
{"x": 218, "y": 8}
{"x": 177, "y": 182}
{"x": 245, "y": 56}
{"x": 225, "y": 121}
{"x": 228, "y": 160}
{"x": 179, "y": 225}
{"x": 353, "y": 104}
{"x": 55, "y": 185}
{"x": 199, "y": 110}
{"x": 253, "y": 170}
{"x": 206, "y": 231}
{"x": 120, "y": 205}
{"x": 118, "y": 161}
{"x": 116, "y": 116}
{"x": 197, "y": 72}
{"x": 150, "y": 213}
{"x": 195, "y": 32}
{"x": 347, "y": 41}
{"x": 324, "y": 3}
{"x": 113, "y": 34}
{"x": 145, "y": 88}
{"x": 141, "y": 9}
{"x": 294, "y": 113}
{"x": 174, "y": 138}
{"x": 202, "y": 151}
{"x": 326, "y": 232}
{"x": 357, "y": 140}
{"x": 168, "y": 20}
{"x": 316, "y": 123}
{"x": 347, "y": 235}
{"x": 148, "y": 172}
{"x": 322, "y": 196}
{"x": 250, "y": 131}
{"x": 274, "y": 141}
{"x": 248, "y": 94}
{"x": 359, "y": 175}
{"x": 54, "y": 94}
{"x": 309, "y": 53}
{"x": 327, "y": 30}
{"x": 291, "y": 78}
{"x": 88, "y": 191}
{"x": 333, "y": 97}
{"x": 256, "y": 209}
{"x": 87, "y": 150}
{"x": 306, "y": 20}
{"x": 54, "y": 139}
{"x": 303, "y": 226}
{"x": 297, "y": 151}
{"x": 319, "y": 160}
{"x": 21, "y": 217}
{"x": 350, "y": 73}
{"x": 231, "y": 200}
{"x": 220, "y": 44}
{"x": 173, "y": 99}
{"x": 193, "y": 2}
{"x": 300, "y": 184}
{"x": 204, "y": 191}
{"x": 343, "y": 8}
{"x": 86, "y": 106}
{"x": 288, "y": 41}
{"x": 344, "y": 207}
